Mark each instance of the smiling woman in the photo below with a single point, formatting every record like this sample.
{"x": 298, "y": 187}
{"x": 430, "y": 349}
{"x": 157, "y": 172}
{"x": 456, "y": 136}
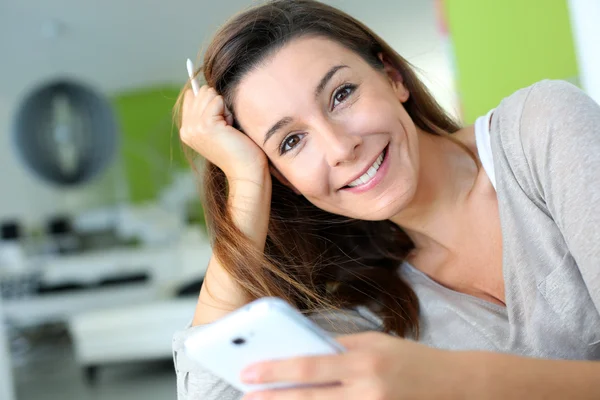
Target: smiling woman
{"x": 328, "y": 85}
{"x": 335, "y": 181}
{"x": 341, "y": 127}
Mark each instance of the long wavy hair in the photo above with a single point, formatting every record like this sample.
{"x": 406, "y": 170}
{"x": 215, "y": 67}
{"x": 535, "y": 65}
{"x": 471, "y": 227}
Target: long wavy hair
{"x": 313, "y": 259}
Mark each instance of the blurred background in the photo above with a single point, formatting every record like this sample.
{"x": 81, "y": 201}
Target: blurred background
{"x": 102, "y": 240}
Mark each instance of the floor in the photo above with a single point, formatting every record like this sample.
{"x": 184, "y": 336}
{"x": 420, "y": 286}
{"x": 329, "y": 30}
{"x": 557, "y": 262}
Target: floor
{"x": 45, "y": 369}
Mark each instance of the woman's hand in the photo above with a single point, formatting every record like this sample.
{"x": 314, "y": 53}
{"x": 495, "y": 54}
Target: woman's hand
{"x": 206, "y": 128}
{"x": 376, "y": 366}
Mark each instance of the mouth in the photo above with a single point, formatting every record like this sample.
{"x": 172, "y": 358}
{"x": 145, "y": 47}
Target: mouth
{"x": 367, "y": 176}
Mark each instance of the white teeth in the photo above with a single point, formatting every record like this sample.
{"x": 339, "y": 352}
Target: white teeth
{"x": 367, "y": 176}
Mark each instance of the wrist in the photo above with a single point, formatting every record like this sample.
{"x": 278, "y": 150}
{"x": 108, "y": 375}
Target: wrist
{"x": 249, "y": 182}
{"x": 470, "y": 374}
{"x": 257, "y": 176}
{"x": 257, "y": 171}
{"x": 249, "y": 201}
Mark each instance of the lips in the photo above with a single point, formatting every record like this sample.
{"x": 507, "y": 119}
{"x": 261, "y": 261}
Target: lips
{"x": 369, "y": 173}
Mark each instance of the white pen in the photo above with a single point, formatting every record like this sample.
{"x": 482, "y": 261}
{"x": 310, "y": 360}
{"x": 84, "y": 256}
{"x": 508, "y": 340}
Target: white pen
{"x": 190, "y": 70}
{"x": 196, "y": 87}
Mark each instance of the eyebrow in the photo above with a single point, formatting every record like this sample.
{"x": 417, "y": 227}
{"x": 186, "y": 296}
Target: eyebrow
{"x": 318, "y": 91}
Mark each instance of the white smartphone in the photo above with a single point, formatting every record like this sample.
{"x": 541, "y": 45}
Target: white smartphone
{"x": 266, "y": 329}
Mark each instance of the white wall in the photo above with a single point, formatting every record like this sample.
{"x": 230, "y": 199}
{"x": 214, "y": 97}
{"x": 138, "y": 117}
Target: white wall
{"x": 585, "y": 15}
{"x": 118, "y": 45}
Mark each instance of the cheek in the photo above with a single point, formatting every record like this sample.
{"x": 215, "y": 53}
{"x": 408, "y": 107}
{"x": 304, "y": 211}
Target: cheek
{"x": 307, "y": 179}
{"x": 307, "y": 176}
{"x": 375, "y": 115}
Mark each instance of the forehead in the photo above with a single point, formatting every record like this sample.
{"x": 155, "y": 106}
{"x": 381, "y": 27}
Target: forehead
{"x": 286, "y": 81}
{"x": 303, "y": 57}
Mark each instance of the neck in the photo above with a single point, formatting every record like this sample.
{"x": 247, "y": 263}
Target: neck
{"x": 447, "y": 176}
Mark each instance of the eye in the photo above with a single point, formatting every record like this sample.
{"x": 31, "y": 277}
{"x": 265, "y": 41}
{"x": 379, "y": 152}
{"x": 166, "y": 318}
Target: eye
{"x": 342, "y": 94}
{"x": 289, "y": 143}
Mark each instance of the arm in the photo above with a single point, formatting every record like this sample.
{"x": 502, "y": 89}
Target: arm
{"x": 502, "y": 376}
{"x": 249, "y": 203}
{"x": 378, "y": 366}
{"x": 206, "y": 128}
{"x": 560, "y": 136}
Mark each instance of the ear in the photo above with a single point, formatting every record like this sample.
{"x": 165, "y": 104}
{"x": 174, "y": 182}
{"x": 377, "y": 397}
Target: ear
{"x": 395, "y": 77}
{"x": 279, "y": 176}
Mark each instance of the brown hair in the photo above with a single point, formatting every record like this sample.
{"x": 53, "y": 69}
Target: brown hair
{"x": 313, "y": 259}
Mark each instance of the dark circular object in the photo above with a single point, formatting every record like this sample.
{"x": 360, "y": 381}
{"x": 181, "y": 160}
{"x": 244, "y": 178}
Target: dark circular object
{"x": 239, "y": 341}
{"x": 66, "y": 133}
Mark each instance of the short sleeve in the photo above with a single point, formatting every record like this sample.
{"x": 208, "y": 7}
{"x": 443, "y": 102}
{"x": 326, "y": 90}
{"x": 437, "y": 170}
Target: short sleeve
{"x": 560, "y": 136}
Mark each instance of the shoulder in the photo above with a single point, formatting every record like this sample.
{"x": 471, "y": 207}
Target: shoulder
{"x": 544, "y": 114}
{"x": 551, "y": 91}
{"x": 539, "y": 97}
{"x": 545, "y": 103}
{"x": 554, "y": 102}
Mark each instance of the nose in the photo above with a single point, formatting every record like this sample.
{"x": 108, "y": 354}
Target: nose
{"x": 340, "y": 146}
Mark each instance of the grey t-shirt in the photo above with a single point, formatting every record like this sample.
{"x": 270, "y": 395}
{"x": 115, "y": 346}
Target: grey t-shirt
{"x": 545, "y": 143}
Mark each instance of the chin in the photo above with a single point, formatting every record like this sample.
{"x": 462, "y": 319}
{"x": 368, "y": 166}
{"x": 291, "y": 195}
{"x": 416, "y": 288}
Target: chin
{"x": 379, "y": 214}
{"x": 378, "y": 211}
{"x": 383, "y": 206}
{"x": 389, "y": 205}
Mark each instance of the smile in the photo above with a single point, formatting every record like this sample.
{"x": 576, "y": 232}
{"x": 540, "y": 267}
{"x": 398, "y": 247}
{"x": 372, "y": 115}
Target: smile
{"x": 368, "y": 176}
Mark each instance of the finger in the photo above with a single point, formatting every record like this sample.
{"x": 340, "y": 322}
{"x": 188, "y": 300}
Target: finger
{"x": 214, "y": 110}
{"x": 188, "y": 101}
{"x": 361, "y": 340}
{"x": 205, "y": 95}
{"x": 303, "y": 370}
{"x": 191, "y": 104}
{"x": 228, "y": 116}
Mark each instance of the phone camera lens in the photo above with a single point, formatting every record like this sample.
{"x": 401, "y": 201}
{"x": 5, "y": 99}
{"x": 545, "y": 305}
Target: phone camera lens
{"x": 239, "y": 341}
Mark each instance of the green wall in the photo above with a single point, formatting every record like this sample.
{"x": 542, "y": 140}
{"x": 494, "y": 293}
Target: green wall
{"x": 502, "y": 46}
{"x": 149, "y": 142}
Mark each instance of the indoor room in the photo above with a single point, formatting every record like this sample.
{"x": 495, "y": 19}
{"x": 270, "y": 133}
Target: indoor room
{"x": 105, "y": 235}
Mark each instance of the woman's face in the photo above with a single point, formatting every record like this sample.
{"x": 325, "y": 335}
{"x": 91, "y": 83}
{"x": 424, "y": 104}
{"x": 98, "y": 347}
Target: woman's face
{"x": 334, "y": 128}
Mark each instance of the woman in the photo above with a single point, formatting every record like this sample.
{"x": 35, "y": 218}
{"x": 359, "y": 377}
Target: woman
{"x": 335, "y": 181}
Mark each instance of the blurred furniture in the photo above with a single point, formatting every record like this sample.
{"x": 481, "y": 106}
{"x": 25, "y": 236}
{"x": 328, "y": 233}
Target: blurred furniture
{"x": 11, "y": 249}
{"x": 61, "y": 233}
{"x": 128, "y": 334}
{"x": 73, "y": 284}
{"x": 6, "y": 382}
{"x": 10, "y": 230}
{"x": 143, "y": 331}
{"x": 120, "y": 304}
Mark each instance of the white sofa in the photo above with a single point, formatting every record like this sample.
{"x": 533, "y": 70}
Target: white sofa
{"x": 142, "y": 331}
{"x": 134, "y": 333}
